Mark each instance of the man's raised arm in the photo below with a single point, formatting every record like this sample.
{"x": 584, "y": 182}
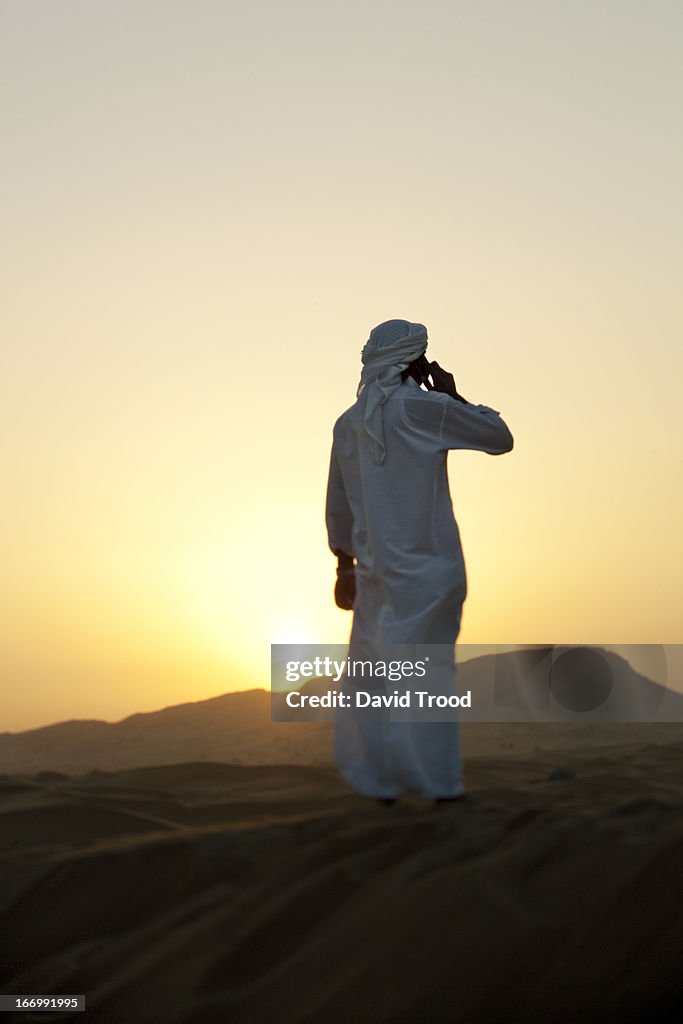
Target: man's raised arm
{"x": 453, "y": 423}
{"x": 474, "y": 427}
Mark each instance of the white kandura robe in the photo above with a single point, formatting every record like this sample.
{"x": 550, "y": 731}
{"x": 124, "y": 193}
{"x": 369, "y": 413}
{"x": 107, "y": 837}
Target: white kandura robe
{"x": 396, "y": 518}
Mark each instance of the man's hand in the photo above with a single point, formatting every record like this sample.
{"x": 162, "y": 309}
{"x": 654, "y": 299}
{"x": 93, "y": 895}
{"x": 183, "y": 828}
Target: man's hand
{"x": 445, "y": 382}
{"x": 345, "y": 587}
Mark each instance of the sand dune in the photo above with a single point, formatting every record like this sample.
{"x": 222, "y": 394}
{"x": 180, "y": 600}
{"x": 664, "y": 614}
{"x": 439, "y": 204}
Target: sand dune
{"x": 198, "y": 893}
{"x": 204, "y": 864}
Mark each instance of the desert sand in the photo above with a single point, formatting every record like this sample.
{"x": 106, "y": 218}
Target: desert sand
{"x": 194, "y": 893}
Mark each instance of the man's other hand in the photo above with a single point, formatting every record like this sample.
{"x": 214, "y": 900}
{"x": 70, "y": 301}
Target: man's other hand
{"x": 345, "y": 587}
{"x": 445, "y": 382}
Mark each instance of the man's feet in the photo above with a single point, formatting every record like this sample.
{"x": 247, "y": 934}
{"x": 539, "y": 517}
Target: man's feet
{"x": 449, "y": 799}
{"x": 386, "y": 800}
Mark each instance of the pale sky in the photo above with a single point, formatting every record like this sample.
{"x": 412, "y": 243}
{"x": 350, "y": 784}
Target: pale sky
{"x": 207, "y": 206}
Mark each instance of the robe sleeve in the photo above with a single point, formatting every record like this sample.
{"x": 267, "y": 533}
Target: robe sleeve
{"x": 451, "y": 424}
{"x": 475, "y": 427}
{"x": 338, "y": 515}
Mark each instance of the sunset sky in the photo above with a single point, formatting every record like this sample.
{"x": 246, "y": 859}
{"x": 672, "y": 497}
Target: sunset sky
{"x": 206, "y": 207}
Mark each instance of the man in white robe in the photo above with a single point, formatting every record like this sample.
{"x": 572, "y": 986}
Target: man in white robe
{"x": 389, "y": 508}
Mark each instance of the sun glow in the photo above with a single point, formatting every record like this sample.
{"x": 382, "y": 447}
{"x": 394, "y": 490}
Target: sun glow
{"x": 293, "y": 633}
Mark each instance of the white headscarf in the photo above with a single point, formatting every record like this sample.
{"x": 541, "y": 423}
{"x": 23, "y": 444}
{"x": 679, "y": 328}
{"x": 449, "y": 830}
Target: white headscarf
{"x": 387, "y": 352}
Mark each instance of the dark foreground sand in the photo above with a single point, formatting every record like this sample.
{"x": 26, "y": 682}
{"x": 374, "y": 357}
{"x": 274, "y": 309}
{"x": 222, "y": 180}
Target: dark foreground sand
{"x": 199, "y": 893}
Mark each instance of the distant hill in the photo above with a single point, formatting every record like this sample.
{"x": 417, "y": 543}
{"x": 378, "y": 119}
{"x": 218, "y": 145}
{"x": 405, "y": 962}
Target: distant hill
{"x": 566, "y": 684}
{"x": 234, "y": 727}
{"x": 237, "y": 728}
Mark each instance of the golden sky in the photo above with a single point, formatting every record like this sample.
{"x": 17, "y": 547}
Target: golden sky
{"x": 206, "y": 207}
